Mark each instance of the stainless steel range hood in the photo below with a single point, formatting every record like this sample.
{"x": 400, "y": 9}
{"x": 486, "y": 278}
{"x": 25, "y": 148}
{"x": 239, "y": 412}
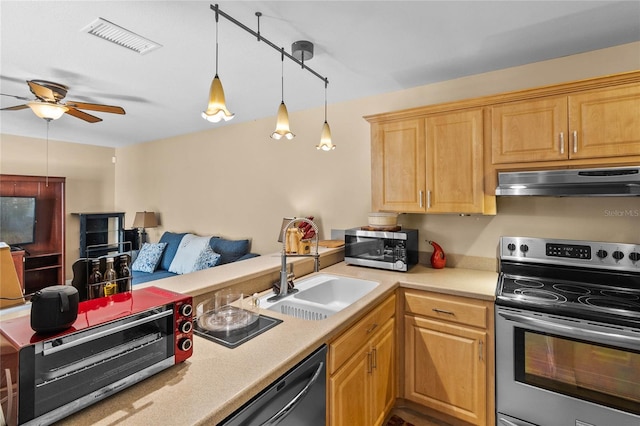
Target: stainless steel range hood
{"x": 605, "y": 182}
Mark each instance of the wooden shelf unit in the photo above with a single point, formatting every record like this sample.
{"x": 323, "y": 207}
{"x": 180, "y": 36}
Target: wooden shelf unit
{"x": 44, "y": 258}
{"x": 100, "y": 229}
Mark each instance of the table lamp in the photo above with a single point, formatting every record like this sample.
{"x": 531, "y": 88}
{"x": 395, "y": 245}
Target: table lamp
{"x": 144, "y": 220}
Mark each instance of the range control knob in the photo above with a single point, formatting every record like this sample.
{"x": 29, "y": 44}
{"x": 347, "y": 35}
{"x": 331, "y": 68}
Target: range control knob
{"x": 185, "y": 344}
{"x": 634, "y": 256}
{"x": 186, "y": 310}
{"x": 524, "y": 248}
{"x": 185, "y": 327}
{"x": 511, "y": 247}
{"x": 618, "y": 255}
{"x": 602, "y": 254}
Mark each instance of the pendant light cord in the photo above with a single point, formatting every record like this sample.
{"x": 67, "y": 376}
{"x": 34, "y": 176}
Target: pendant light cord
{"x": 217, "y": 42}
{"x": 326, "y": 83}
{"x": 282, "y": 74}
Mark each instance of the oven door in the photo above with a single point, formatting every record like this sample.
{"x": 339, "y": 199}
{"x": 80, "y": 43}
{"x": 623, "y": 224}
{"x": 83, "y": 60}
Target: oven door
{"x": 558, "y": 371}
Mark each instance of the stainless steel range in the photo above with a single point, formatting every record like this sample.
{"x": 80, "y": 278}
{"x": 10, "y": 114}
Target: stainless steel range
{"x": 568, "y": 333}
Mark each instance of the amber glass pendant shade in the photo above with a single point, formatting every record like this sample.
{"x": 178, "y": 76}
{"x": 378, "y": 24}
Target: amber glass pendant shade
{"x": 217, "y": 110}
{"x": 282, "y": 124}
{"x": 325, "y": 139}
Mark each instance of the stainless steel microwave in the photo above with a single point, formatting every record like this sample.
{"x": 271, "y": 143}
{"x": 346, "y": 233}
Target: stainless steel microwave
{"x": 393, "y": 250}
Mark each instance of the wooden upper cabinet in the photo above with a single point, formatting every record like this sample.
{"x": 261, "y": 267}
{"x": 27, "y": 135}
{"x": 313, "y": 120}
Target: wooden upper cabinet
{"x": 398, "y": 166}
{"x": 530, "y": 131}
{"x": 429, "y": 165}
{"x": 455, "y": 162}
{"x": 591, "y": 124}
{"x": 605, "y": 123}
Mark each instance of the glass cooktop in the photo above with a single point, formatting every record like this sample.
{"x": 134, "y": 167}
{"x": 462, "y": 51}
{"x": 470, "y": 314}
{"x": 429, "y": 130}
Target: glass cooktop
{"x": 237, "y": 337}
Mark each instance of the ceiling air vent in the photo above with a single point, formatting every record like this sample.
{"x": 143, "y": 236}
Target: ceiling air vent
{"x": 122, "y": 37}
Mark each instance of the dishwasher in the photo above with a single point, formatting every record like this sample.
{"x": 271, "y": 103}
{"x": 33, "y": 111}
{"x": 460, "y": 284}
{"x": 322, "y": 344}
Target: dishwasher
{"x": 298, "y": 398}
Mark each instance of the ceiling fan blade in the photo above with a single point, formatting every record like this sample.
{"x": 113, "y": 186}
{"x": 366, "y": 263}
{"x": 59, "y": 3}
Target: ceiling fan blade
{"x": 83, "y": 115}
{"x": 22, "y": 98}
{"x": 96, "y": 107}
{"x": 15, "y": 108}
{"x": 42, "y": 92}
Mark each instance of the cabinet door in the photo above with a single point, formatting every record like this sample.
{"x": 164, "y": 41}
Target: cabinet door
{"x": 529, "y": 131}
{"x": 383, "y": 368}
{"x": 605, "y": 123}
{"x": 445, "y": 368}
{"x": 398, "y": 166}
{"x": 454, "y": 162}
{"x": 349, "y": 390}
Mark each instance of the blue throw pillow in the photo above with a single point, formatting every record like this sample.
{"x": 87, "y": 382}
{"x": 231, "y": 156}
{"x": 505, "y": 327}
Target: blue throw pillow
{"x": 207, "y": 259}
{"x": 149, "y": 257}
{"x": 230, "y": 250}
{"x": 173, "y": 242}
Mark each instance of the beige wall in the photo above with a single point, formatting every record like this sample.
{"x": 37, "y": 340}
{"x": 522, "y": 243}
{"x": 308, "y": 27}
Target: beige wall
{"x": 89, "y": 173}
{"x": 236, "y": 182}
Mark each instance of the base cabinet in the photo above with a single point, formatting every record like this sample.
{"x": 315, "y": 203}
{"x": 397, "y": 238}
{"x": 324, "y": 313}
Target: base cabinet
{"x": 361, "y": 384}
{"x": 448, "y": 355}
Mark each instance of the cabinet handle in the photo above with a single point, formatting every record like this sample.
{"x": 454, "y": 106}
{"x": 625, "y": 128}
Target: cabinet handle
{"x": 374, "y": 358}
{"x": 561, "y": 142}
{"x": 428, "y": 199}
{"x": 369, "y": 365}
{"x": 575, "y": 141}
{"x": 481, "y": 350}
{"x": 442, "y": 311}
{"x": 373, "y": 327}
{"x": 421, "y": 196}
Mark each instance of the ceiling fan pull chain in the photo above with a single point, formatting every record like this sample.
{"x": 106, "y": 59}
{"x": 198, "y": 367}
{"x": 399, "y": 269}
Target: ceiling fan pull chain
{"x": 46, "y": 178}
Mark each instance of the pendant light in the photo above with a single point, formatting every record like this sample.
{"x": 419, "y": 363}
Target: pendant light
{"x": 282, "y": 121}
{"x": 325, "y": 137}
{"x": 216, "y": 109}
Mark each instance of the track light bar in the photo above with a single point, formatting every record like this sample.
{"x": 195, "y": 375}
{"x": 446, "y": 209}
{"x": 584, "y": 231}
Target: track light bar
{"x": 217, "y": 10}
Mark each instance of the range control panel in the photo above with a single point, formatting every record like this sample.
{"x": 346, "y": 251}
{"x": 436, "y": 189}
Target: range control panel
{"x": 594, "y": 254}
{"x": 568, "y": 250}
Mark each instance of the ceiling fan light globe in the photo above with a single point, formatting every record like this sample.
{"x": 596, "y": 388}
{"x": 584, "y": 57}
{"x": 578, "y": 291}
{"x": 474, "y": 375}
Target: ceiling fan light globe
{"x": 216, "y": 109}
{"x": 282, "y": 124}
{"x": 46, "y": 110}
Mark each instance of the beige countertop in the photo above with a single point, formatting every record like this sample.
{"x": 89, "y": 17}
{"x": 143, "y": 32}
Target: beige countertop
{"x": 217, "y": 380}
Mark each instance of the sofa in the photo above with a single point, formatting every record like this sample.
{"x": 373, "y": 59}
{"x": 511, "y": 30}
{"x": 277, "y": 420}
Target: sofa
{"x": 180, "y": 253}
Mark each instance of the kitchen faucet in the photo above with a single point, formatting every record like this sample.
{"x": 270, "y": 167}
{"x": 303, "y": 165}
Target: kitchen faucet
{"x": 284, "y": 276}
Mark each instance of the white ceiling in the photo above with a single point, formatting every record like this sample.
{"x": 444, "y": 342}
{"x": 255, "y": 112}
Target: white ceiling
{"x": 363, "y": 47}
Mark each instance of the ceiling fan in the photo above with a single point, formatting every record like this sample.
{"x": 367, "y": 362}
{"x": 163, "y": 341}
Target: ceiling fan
{"x": 49, "y": 105}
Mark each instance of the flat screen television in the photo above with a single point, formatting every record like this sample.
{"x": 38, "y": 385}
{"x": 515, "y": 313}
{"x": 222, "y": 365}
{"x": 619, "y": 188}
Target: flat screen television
{"x": 17, "y": 220}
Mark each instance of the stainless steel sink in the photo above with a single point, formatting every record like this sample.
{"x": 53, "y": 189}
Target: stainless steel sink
{"x": 320, "y": 296}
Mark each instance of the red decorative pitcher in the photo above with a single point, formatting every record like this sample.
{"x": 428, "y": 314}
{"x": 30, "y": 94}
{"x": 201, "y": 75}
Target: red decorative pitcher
{"x": 438, "y": 258}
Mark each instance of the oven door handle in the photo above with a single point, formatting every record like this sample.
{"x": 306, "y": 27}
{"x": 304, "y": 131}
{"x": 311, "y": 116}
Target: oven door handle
{"x": 584, "y": 333}
{"x": 506, "y": 422}
{"x": 50, "y": 349}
